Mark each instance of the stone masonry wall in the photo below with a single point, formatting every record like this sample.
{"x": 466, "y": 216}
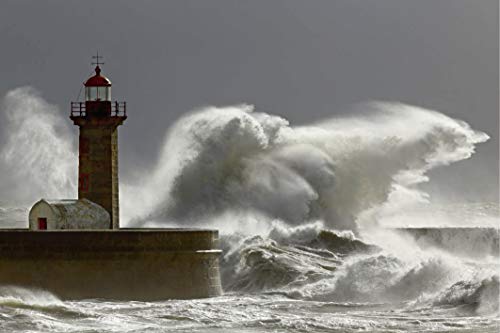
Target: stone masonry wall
{"x": 126, "y": 264}
{"x": 98, "y": 163}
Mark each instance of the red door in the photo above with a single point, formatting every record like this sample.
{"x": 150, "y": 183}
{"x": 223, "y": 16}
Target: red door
{"x": 42, "y": 223}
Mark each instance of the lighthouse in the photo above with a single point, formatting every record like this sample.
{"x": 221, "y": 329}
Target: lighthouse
{"x": 98, "y": 119}
{"x": 76, "y": 249}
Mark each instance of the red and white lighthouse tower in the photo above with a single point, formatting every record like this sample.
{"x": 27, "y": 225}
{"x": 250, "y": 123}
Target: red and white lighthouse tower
{"x": 98, "y": 118}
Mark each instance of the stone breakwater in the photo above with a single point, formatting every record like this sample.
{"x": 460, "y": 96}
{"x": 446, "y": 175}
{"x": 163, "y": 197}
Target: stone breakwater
{"x": 127, "y": 264}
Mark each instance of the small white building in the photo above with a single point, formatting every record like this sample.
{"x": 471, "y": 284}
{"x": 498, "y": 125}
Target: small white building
{"x": 68, "y": 214}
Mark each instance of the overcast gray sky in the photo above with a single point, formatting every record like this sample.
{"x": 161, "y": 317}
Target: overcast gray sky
{"x": 304, "y": 60}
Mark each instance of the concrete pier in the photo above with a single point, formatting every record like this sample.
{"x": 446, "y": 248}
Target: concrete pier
{"x": 126, "y": 264}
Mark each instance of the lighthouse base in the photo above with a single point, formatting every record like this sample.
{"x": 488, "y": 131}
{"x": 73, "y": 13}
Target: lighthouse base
{"x": 130, "y": 264}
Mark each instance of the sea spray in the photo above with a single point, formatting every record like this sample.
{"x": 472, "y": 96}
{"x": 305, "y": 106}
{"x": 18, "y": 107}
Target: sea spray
{"x": 345, "y": 171}
{"x": 39, "y": 157}
{"x": 23, "y": 297}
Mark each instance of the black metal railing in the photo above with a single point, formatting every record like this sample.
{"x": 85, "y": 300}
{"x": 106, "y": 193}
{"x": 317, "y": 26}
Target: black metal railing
{"x": 118, "y": 109}
{"x": 78, "y": 109}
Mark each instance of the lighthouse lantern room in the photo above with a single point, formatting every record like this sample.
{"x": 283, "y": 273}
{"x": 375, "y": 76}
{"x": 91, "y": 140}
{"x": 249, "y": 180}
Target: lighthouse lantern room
{"x": 98, "y": 87}
{"x": 98, "y": 119}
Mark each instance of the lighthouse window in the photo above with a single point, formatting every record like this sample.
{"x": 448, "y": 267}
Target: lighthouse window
{"x": 91, "y": 93}
{"x": 103, "y": 93}
{"x": 98, "y": 93}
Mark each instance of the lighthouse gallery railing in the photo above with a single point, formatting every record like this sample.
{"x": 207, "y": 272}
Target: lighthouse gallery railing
{"x": 118, "y": 109}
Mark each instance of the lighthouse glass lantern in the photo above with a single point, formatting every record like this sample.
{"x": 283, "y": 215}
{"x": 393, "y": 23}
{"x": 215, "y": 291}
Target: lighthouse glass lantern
{"x": 98, "y": 88}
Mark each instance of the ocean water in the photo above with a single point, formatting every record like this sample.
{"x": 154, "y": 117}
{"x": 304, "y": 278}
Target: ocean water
{"x": 323, "y": 282}
{"x": 324, "y": 227}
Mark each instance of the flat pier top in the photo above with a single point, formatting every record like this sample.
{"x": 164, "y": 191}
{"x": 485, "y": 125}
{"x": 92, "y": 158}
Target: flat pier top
{"x": 110, "y": 240}
{"x": 121, "y": 230}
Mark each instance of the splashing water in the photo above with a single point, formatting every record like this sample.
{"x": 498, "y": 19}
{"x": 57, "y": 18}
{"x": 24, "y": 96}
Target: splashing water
{"x": 342, "y": 171}
{"x": 38, "y": 158}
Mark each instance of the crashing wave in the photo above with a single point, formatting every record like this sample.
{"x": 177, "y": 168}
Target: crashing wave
{"x": 22, "y": 297}
{"x": 343, "y": 171}
{"x": 286, "y": 258}
{"x": 482, "y": 295}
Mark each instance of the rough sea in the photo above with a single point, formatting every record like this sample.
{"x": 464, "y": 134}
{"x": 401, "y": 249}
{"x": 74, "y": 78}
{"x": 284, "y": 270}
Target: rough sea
{"x": 324, "y": 228}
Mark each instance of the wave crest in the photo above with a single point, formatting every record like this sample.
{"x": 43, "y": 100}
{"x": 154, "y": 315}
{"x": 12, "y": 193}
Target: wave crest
{"x": 344, "y": 171}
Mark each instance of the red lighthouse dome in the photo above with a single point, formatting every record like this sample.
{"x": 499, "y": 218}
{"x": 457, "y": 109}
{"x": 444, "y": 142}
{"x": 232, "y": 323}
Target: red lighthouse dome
{"x": 98, "y": 87}
{"x": 98, "y": 80}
